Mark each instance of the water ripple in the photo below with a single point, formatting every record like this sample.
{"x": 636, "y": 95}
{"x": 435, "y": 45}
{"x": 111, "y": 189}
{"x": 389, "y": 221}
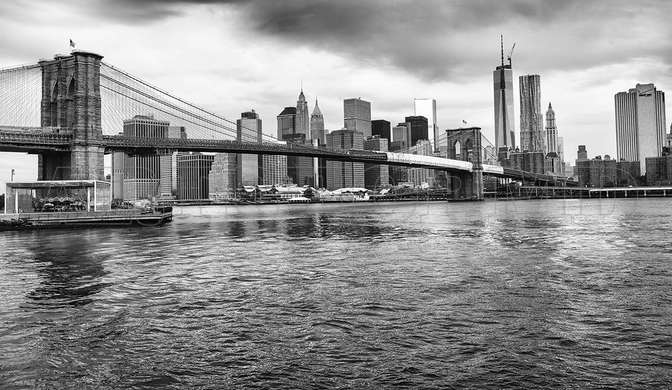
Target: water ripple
{"x": 571, "y": 294}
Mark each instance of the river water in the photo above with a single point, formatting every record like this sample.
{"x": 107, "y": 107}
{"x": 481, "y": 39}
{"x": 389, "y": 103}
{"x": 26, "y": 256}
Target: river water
{"x": 552, "y": 293}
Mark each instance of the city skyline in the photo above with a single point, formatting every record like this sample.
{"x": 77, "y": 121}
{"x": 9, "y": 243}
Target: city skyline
{"x": 580, "y": 77}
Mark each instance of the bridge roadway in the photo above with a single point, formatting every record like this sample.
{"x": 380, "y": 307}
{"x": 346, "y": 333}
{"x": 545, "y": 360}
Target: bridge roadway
{"x": 37, "y": 140}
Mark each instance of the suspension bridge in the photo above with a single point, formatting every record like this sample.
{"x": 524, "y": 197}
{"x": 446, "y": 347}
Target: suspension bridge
{"x": 69, "y": 110}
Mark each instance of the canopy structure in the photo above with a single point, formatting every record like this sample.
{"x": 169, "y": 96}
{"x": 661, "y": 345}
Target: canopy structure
{"x": 57, "y": 196}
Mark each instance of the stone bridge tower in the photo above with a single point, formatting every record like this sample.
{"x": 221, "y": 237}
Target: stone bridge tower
{"x": 465, "y": 144}
{"x": 71, "y": 104}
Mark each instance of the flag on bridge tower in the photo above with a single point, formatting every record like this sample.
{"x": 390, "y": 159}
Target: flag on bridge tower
{"x": 72, "y": 44}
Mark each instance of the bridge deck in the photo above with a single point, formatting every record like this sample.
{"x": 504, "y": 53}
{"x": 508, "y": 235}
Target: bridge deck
{"x": 36, "y": 140}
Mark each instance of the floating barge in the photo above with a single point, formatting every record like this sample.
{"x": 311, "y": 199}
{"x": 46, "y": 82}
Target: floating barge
{"x": 23, "y": 221}
{"x": 71, "y": 204}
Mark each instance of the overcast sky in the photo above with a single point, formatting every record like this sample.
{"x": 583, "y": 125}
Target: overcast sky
{"x": 231, "y": 56}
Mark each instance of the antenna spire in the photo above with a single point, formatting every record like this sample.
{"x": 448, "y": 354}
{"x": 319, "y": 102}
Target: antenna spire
{"x": 501, "y": 44}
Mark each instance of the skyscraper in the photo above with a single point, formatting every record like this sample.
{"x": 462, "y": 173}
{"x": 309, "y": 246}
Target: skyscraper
{"x": 118, "y": 175}
{"x": 299, "y": 169}
{"x": 427, "y": 108}
{"x": 341, "y": 174}
{"x": 193, "y": 175}
{"x": 420, "y": 176}
{"x": 222, "y": 177}
{"x": 146, "y": 177}
{"x": 287, "y": 123}
{"x": 357, "y": 115}
{"x": 504, "y": 120}
{"x": 532, "y": 137}
{"x": 302, "y": 116}
{"x": 317, "y": 125}
{"x": 640, "y": 124}
{"x": 274, "y": 170}
{"x": 248, "y": 129}
{"x": 551, "y": 131}
{"x": 381, "y": 128}
{"x": 376, "y": 175}
{"x": 401, "y": 137}
{"x": 419, "y": 128}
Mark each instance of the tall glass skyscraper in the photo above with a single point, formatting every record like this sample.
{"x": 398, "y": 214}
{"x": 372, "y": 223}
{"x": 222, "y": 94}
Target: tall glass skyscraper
{"x": 504, "y": 121}
{"x": 427, "y": 108}
{"x": 640, "y": 124}
{"x": 532, "y": 137}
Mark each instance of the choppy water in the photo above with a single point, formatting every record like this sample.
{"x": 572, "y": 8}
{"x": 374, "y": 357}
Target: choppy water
{"x": 572, "y": 294}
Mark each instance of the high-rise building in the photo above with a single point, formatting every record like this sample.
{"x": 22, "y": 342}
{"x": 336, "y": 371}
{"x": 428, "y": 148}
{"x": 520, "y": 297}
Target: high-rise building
{"x": 640, "y": 124}
{"x": 401, "y": 133}
{"x": 146, "y": 177}
{"x": 561, "y": 149}
{"x": 274, "y": 169}
{"x": 551, "y": 131}
{"x": 181, "y": 133}
{"x": 581, "y": 155}
{"x": 597, "y": 172}
{"x": 118, "y": 159}
{"x": 299, "y": 169}
{"x": 659, "y": 169}
{"x": 419, "y": 128}
{"x": 193, "y": 171}
{"x": 317, "y": 125}
{"x": 504, "y": 117}
{"x": 287, "y": 122}
{"x": 525, "y": 161}
{"x": 319, "y": 139}
{"x": 532, "y": 137}
{"x": 376, "y": 175}
{"x": 421, "y": 176}
{"x": 302, "y": 116}
{"x": 341, "y": 174}
{"x": 357, "y": 115}
{"x": 222, "y": 176}
{"x": 381, "y": 128}
{"x": 248, "y": 129}
{"x": 427, "y": 108}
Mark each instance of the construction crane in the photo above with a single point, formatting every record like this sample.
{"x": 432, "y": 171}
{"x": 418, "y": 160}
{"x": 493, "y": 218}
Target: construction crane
{"x": 511, "y": 53}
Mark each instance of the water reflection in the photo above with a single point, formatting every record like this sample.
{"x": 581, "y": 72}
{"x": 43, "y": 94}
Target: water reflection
{"x": 70, "y": 272}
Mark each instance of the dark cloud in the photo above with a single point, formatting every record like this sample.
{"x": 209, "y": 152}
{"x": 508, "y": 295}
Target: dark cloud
{"x": 438, "y": 39}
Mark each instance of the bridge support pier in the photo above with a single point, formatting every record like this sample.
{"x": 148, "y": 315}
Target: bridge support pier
{"x": 87, "y": 162}
{"x": 467, "y": 185}
{"x": 81, "y": 163}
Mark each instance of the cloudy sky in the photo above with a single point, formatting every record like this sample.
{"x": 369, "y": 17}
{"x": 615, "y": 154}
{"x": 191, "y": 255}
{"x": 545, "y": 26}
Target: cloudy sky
{"x": 230, "y": 56}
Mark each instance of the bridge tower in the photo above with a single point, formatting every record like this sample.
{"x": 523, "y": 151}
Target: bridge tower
{"x": 71, "y": 104}
{"x": 465, "y": 144}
